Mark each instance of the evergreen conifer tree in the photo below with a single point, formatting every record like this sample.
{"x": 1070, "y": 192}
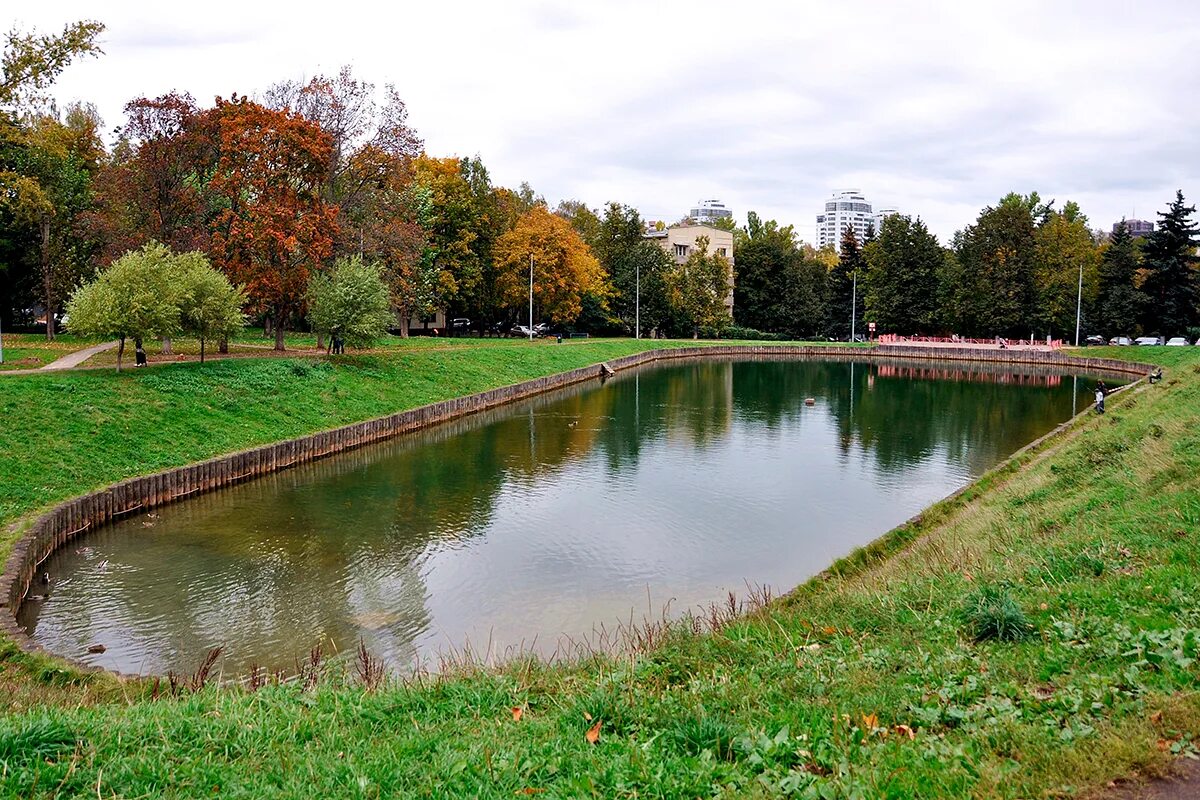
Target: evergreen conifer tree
{"x": 1120, "y": 303}
{"x": 1172, "y": 286}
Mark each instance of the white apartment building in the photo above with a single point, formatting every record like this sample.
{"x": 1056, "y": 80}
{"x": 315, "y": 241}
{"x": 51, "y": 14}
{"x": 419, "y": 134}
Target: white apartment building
{"x": 706, "y": 212}
{"x": 848, "y": 209}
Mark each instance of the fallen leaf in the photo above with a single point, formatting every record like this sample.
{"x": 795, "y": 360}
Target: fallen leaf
{"x": 1163, "y": 745}
{"x": 904, "y": 730}
{"x": 587, "y": 716}
{"x": 593, "y": 733}
{"x": 1156, "y": 717}
{"x": 870, "y": 721}
{"x": 829, "y": 631}
{"x": 967, "y": 576}
{"x": 517, "y": 712}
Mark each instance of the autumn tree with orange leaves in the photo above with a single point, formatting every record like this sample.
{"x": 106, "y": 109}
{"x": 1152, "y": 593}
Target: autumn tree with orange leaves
{"x": 274, "y": 225}
{"x": 564, "y": 269}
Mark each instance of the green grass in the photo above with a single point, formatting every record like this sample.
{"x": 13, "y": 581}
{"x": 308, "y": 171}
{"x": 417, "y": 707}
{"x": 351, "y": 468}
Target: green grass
{"x": 869, "y": 681}
{"x": 31, "y": 350}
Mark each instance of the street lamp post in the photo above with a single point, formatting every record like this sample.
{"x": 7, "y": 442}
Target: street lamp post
{"x": 531, "y": 297}
{"x": 1079, "y": 304}
{"x": 637, "y": 301}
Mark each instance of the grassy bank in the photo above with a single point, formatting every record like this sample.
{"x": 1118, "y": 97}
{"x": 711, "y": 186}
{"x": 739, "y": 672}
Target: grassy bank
{"x": 873, "y": 681}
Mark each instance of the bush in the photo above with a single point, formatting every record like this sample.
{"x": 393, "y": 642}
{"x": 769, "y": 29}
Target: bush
{"x": 992, "y": 613}
{"x": 738, "y": 332}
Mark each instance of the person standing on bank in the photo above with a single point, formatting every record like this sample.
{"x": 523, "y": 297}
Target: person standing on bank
{"x": 1100, "y": 398}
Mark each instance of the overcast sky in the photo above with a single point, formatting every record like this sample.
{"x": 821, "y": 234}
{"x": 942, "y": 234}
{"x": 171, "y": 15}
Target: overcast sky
{"x": 936, "y": 108}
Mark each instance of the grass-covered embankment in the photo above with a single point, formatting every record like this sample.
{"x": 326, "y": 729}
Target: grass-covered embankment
{"x": 868, "y": 683}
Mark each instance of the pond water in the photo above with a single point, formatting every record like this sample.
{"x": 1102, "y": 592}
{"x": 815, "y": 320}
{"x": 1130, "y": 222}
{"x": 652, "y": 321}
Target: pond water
{"x": 554, "y": 517}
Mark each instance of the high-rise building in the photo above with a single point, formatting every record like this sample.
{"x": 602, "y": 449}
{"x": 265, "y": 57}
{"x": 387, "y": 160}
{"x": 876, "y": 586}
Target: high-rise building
{"x": 706, "y": 212}
{"x": 1137, "y": 227}
{"x": 848, "y": 209}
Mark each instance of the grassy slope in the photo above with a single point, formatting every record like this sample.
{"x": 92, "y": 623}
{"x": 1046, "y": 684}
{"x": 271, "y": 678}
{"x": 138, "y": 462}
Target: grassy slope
{"x": 31, "y": 350}
{"x": 807, "y": 696}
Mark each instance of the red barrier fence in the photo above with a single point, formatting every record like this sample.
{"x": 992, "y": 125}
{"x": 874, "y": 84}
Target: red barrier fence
{"x": 962, "y": 341}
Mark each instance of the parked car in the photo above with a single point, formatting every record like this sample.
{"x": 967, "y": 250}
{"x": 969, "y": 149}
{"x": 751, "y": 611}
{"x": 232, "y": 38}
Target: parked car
{"x": 1094, "y": 340}
{"x": 1122, "y": 341}
{"x": 519, "y": 330}
{"x": 460, "y": 325}
{"x": 1177, "y": 341}
{"x": 1148, "y": 341}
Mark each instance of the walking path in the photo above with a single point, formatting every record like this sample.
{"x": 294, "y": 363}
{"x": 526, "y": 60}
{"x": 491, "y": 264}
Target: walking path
{"x": 72, "y": 360}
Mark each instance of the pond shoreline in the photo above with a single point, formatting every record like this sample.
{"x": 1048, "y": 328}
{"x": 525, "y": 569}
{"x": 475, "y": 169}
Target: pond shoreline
{"x": 61, "y": 524}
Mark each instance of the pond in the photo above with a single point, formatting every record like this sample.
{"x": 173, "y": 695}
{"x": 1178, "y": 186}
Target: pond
{"x": 561, "y": 516}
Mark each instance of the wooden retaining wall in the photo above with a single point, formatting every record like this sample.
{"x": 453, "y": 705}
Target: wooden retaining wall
{"x": 67, "y": 520}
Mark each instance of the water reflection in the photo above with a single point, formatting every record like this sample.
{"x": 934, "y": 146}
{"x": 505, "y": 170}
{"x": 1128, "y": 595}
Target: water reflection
{"x": 544, "y": 518}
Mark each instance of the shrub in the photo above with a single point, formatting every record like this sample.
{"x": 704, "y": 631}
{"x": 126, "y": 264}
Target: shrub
{"x": 992, "y": 613}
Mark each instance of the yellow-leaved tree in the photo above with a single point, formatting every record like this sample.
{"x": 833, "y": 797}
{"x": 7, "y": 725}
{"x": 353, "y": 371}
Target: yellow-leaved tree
{"x": 564, "y": 268}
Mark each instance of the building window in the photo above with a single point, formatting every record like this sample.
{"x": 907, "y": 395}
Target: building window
{"x": 681, "y": 249}
{"x": 722, "y": 251}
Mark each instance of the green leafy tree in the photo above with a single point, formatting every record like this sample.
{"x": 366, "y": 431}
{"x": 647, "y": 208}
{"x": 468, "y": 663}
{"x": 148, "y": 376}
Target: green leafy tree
{"x": 1119, "y": 303}
{"x": 137, "y": 297}
{"x": 843, "y": 299}
{"x": 997, "y": 293}
{"x": 779, "y": 288}
{"x": 352, "y": 301}
{"x": 698, "y": 287}
{"x": 1064, "y": 244}
{"x": 31, "y": 63}
{"x": 1171, "y": 285}
{"x": 210, "y": 307}
{"x": 904, "y": 266}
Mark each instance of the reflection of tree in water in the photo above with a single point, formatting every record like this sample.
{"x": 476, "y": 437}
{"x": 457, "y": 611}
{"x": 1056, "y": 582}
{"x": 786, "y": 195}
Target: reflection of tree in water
{"x": 903, "y": 411}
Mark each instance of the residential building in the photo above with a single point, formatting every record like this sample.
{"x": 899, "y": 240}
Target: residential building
{"x": 848, "y": 209}
{"x": 680, "y": 241}
{"x": 1137, "y": 227}
{"x": 706, "y": 212}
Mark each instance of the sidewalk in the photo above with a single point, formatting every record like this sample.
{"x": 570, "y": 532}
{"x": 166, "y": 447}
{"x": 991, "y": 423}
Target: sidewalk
{"x": 72, "y": 360}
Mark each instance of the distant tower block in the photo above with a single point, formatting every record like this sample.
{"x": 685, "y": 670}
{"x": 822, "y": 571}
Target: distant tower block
{"x": 706, "y": 212}
{"x": 848, "y": 209}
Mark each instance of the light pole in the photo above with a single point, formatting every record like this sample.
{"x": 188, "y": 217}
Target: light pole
{"x": 531, "y": 297}
{"x": 637, "y": 301}
{"x": 853, "y": 305}
{"x": 1079, "y": 304}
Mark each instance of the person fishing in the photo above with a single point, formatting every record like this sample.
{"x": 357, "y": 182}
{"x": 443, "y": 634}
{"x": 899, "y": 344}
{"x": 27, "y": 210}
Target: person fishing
{"x": 1100, "y": 398}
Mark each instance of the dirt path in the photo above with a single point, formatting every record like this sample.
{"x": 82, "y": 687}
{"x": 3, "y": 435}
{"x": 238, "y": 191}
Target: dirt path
{"x": 1183, "y": 784}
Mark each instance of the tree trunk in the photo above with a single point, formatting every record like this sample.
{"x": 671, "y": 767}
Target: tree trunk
{"x": 279, "y": 333}
{"x": 120, "y": 352}
{"x": 320, "y": 340}
{"x": 47, "y": 283}
{"x": 223, "y": 345}
{"x": 201, "y": 349}
{"x": 267, "y": 327}
{"x": 166, "y": 347}
{"x": 404, "y": 317}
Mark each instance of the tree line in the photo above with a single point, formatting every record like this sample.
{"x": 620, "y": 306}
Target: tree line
{"x": 1020, "y": 269}
{"x": 278, "y": 190}
{"x": 321, "y": 192}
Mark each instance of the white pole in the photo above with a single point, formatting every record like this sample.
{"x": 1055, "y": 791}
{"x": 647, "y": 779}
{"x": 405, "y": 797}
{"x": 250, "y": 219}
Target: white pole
{"x": 637, "y": 302}
{"x": 1079, "y": 304}
{"x": 853, "y": 306}
{"x": 531, "y": 297}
